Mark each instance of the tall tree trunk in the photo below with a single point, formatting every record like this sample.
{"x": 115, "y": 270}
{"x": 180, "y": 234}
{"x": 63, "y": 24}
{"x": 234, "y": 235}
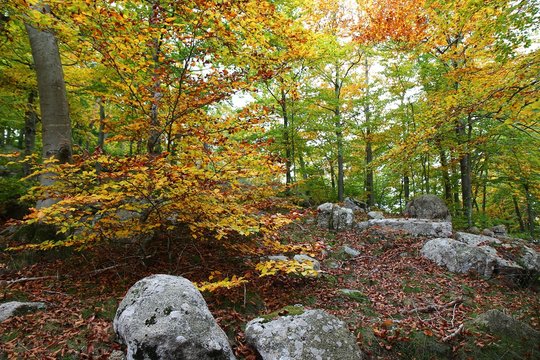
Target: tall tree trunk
{"x": 465, "y": 169}
{"x": 286, "y": 140}
{"x": 407, "y": 187}
{"x": 332, "y": 175}
{"x": 153, "y": 144}
{"x": 369, "y": 182}
{"x": 530, "y": 209}
{"x": 518, "y": 214}
{"x": 56, "y": 123}
{"x": 101, "y": 132}
{"x": 446, "y": 176}
{"x": 30, "y": 120}
{"x": 339, "y": 137}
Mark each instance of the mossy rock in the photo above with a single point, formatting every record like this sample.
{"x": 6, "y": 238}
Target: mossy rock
{"x": 514, "y": 339}
{"x": 355, "y": 295}
{"x": 423, "y": 347}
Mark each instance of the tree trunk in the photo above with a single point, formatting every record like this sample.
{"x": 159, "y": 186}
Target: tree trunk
{"x": 530, "y": 209}
{"x": 518, "y": 214}
{"x": 446, "y": 177}
{"x": 56, "y": 123}
{"x": 369, "y": 182}
{"x": 101, "y": 133}
{"x": 153, "y": 144}
{"x": 30, "y": 120}
{"x": 286, "y": 141}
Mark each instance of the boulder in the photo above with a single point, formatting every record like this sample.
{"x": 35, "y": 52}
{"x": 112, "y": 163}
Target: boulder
{"x": 349, "y": 251}
{"x": 305, "y": 258}
{"x": 488, "y": 232}
{"x": 499, "y": 324}
{"x": 277, "y": 258}
{"x": 530, "y": 259}
{"x": 459, "y": 257}
{"x": 427, "y": 207}
{"x": 475, "y": 240}
{"x": 355, "y": 205}
{"x": 500, "y": 230}
{"x": 416, "y": 227}
{"x": 17, "y": 308}
{"x": 334, "y": 217}
{"x": 375, "y": 215}
{"x": 165, "y": 317}
{"x": 312, "y": 335}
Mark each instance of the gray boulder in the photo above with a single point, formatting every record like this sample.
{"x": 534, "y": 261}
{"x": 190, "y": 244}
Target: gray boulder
{"x": 427, "y": 207}
{"x": 305, "y": 258}
{"x": 488, "y": 232}
{"x": 165, "y": 317}
{"x": 459, "y": 257}
{"x": 334, "y": 217}
{"x": 530, "y": 259}
{"x": 355, "y": 205}
{"x": 500, "y": 230}
{"x": 17, "y": 308}
{"x": 475, "y": 240}
{"x": 349, "y": 251}
{"x": 312, "y": 335}
{"x": 416, "y": 227}
{"x": 375, "y": 215}
{"x": 500, "y": 324}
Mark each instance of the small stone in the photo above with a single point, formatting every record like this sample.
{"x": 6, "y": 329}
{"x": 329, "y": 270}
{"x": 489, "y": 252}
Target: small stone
{"x": 375, "y": 215}
{"x": 488, "y": 232}
{"x": 17, "y": 308}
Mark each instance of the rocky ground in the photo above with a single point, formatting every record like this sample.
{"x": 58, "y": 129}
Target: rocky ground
{"x": 398, "y": 304}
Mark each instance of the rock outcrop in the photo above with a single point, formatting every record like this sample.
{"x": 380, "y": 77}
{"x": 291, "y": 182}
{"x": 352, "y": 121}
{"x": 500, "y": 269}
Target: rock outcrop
{"x": 334, "y": 217}
{"x": 427, "y": 207}
{"x": 314, "y": 334}
{"x": 461, "y": 257}
{"x": 416, "y": 227}
{"x": 165, "y": 317}
{"x": 17, "y": 308}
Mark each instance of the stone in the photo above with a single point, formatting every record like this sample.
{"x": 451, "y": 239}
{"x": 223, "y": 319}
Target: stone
{"x": 278, "y": 258}
{"x": 498, "y": 323}
{"x": 530, "y": 259}
{"x": 488, "y": 232}
{"x": 313, "y": 335}
{"x": 349, "y": 251}
{"x": 375, "y": 215}
{"x": 355, "y": 205}
{"x": 417, "y": 227}
{"x": 17, "y": 308}
{"x": 305, "y": 258}
{"x": 117, "y": 355}
{"x": 165, "y": 317}
{"x": 475, "y": 240}
{"x": 427, "y": 207}
{"x": 334, "y": 217}
{"x": 474, "y": 230}
{"x": 459, "y": 257}
{"x": 499, "y": 230}
{"x": 361, "y": 226}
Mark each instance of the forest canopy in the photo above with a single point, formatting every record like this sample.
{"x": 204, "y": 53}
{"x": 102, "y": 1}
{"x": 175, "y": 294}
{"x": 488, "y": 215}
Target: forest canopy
{"x": 134, "y": 119}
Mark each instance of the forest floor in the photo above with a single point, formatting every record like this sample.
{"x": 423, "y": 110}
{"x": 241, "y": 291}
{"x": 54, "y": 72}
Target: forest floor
{"x": 393, "y": 310}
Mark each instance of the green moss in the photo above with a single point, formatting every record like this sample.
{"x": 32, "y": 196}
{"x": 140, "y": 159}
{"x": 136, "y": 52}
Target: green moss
{"x": 289, "y": 310}
{"x": 354, "y": 295}
{"x": 423, "y": 347}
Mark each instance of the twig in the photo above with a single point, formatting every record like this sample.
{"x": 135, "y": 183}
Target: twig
{"x": 454, "y": 334}
{"x": 433, "y": 307}
{"x": 15, "y": 281}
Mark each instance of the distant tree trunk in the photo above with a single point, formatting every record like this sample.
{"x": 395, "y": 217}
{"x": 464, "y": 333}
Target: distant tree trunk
{"x": 407, "y": 187}
{"x": 446, "y": 176}
{"x": 101, "y": 130}
{"x": 302, "y": 162}
{"x": 530, "y": 209}
{"x": 56, "y": 123}
{"x": 30, "y": 120}
{"x": 518, "y": 214}
{"x": 465, "y": 169}
{"x": 286, "y": 140}
{"x": 339, "y": 137}
{"x": 369, "y": 182}
{"x": 332, "y": 175}
{"x": 153, "y": 144}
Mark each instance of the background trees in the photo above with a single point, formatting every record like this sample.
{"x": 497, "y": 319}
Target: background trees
{"x": 379, "y": 100}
